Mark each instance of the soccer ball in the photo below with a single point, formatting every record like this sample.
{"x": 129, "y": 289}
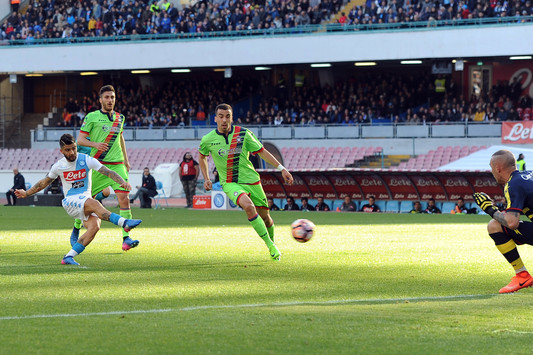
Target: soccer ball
{"x": 302, "y": 230}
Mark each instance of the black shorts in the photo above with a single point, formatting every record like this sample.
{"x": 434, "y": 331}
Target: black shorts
{"x": 523, "y": 234}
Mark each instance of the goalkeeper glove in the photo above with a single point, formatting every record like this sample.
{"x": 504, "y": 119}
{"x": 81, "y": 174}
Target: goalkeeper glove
{"x": 485, "y": 202}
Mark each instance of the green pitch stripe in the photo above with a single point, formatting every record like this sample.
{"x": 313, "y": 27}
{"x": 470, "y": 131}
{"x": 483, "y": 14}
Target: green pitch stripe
{"x": 258, "y": 305}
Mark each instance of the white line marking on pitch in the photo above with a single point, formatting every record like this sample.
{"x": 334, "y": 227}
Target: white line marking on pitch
{"x": 511, "y": 331}
{"x": 252, "y": 305}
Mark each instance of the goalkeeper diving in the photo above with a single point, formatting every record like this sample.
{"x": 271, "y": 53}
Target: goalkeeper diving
{"x": 506, "y": 228}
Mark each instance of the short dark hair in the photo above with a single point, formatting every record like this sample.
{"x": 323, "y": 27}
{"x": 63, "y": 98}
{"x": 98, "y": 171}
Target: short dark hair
{"x": 223, "y": 107}
{"x": 371, "y": 196}
{"x": 305, "y": 199}
{"x": 106, "y": 88}
{"x": 66, "y": 139}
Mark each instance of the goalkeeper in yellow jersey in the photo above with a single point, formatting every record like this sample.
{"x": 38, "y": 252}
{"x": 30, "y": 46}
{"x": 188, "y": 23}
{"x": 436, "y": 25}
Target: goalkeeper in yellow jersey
{"x": 230, "y": 146}
{"x": 506, "y": 228}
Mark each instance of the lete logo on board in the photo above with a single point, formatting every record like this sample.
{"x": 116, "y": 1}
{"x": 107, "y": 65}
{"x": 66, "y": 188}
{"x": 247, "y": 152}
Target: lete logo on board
{"x": 517, "y": 132}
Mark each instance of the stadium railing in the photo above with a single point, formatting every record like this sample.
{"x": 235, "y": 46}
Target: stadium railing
{"x": 396, "y": 130}
{"x": 319, "y": 29}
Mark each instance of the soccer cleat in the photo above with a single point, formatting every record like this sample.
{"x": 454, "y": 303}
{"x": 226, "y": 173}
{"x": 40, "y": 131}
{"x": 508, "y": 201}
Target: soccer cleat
{"x": 274, "y": 252}
{"x": 129, "y": 224}
{"x": 69, "y": 260}
{"x": 74, "y": 236}
{"x": 521, "y": 280}
{"x": 129, "y": 244}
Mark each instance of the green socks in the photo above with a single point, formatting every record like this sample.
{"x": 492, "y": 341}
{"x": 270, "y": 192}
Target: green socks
{"x": 271, "y": 232}
{"x": 126, "y": 214}
{"x": 261, "y": 229}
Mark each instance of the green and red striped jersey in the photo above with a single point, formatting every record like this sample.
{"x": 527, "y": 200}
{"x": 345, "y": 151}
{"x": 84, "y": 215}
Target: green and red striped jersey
{"x": 104, "y": 127}
{"x": 231, "y": 154}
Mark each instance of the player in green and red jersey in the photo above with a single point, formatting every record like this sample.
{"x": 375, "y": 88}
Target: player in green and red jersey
{"x": 230, "y": 146}
{"x": 102, "y": 131}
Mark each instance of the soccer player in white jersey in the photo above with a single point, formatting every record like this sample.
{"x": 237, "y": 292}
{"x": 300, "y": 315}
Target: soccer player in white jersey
{"x": 74, "y": 171}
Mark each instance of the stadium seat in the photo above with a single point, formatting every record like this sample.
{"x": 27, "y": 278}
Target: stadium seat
{"x": 406, "y": 206}
{"x": 447, "y": 207}
{"x": 337, "y": 204}
{"x": 160, "y": 193}
{"x": 392, "y": 206}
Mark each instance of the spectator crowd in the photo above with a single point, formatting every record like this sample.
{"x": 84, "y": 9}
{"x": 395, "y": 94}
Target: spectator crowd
{"x": 449, "y": 12}
{"x": 365, "y": 99}
{"x": 69, "y": 19}
{"x": 100, "y": 18}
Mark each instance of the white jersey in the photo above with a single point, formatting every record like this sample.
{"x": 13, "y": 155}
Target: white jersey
{"x": 75, "y": 175}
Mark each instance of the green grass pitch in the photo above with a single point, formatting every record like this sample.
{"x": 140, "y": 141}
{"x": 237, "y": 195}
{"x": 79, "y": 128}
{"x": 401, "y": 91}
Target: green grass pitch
{"x": 203, "y": 282}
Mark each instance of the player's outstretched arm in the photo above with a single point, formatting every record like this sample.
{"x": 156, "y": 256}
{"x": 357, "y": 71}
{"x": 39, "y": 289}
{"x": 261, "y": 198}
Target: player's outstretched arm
{"x": 208, "y": 185}
{"x": 270, "y": 159}
{"x": 41, "y": 184}
{"x": 116, "y": 177}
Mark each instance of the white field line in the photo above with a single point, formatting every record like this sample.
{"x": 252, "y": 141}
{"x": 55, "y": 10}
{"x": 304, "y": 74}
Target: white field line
{"x": 253, "y": 305}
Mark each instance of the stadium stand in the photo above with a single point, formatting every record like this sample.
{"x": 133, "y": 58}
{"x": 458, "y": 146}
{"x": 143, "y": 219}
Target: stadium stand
{"x": 294, "y": 158}
{"x": 71, "y": 20}
{"x": 381, "y": 12}
{"x": 439, "y": 157}
{"x": 371, "y": 98}
{"x": 326, "y": 158}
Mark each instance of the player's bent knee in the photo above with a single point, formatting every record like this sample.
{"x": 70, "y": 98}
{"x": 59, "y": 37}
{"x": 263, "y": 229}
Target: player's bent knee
{"x": 494, "y": 227}
{"x": 267, "y": 219}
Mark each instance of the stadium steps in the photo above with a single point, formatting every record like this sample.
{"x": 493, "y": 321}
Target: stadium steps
{"x": 346, "y": 9}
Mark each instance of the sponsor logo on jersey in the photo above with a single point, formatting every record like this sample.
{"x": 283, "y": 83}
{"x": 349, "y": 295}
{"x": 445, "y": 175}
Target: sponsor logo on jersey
{"x": 107, "y": 128}
{"x": 74, "y": 175}
{"x": 232, "y": 151}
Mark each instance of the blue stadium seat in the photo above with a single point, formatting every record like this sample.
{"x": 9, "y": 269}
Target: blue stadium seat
{"x": 337, "y": 204}
{"x": 406, "y": 206}
{"x": 392, "y": 206}
{"x": 447, "y": 207}
{"x": 160, "y": 194}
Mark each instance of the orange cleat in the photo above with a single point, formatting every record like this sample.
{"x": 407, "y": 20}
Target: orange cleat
{"x": 521, "y": 280}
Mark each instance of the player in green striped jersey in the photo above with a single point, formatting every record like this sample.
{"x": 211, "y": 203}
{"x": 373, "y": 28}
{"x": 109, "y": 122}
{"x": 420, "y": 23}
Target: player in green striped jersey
{"x": 230, "y": 146}
{"x": 104, "y": 130}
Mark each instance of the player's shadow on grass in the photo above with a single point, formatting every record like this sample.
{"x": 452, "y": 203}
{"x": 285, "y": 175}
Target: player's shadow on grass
{"x": 56, "y": 268}
{"x": 452, "y": 298}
